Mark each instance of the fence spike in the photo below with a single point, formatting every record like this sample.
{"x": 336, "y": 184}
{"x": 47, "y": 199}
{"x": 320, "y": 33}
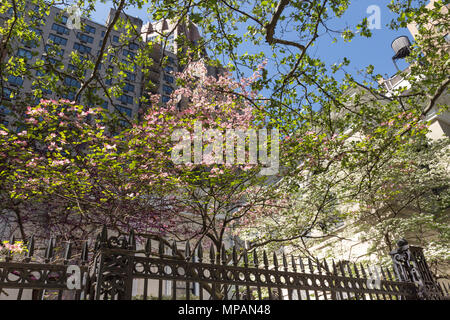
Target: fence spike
{"x": 30, "y": 247}
{"x": 325, "y": 264}
{"x": 356, "y": 270}
{"x": 97, "y": 243}
{"x": 389, "y": 274}
{"x": 319, "y": 267}
{"x": 275, "y": 261}
{"x": 104, "y": 235}
{"x": 245, "y": 258}
{"x": 132, "y": 240}
{"x": 383, "y": 273}
{"x": 265, "y": 260}
{"x": 148, "y": 247}
{"x": 200, "y": 252}
{"x": 285, "y": 264}
{"x": 310, "y": 266}
{"x": 187, "y": 251}
{"x": 341, "y": 268}
{"x": 302, "y": 266}
{"x": 174, "y": 248}
{"x": 235, "y": 260}
{"x": 84, "y": 252}
{"x": 223, "y": 255}
{"x": 161, "y": 248}
{"x": 49, "y": 249}
{"x": 335, "y": 272}
{"x": 363, "y": 271}
{"x": 349, "y": 270}
{"x": 212, "y": 254}
{"x": 255, "y": 259}
{"x": 294, "y": 266}
{"x": 68, "y": 251}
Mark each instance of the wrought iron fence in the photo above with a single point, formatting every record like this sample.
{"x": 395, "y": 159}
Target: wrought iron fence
{"x": 117, "y": 271}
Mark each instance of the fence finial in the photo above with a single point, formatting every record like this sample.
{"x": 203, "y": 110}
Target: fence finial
{"x": 49, "y": 249}
{"x": 285, "y": 264}
{"x": 235, "y": 260}
{"x": 132, "y": 240}
{"x": 161, "y": 248}
{"x": 302, "y": 266}
{"x": 212, "y": 254}
{"x": 104, "y": 236}
{"x": 85, "y": 252}
{"x": 294, "y": 265}
{"x": 265, "y": 260}
{"x": 148, "y": 247}
{"x": 187, "y": 251}
{"x": 174, "y": 248}
{"x": 68, "y": 251}
{"x": 200, "y": 252}
{"x": 223, "y": 255}
{"x": 255, "y": 258}
{"x": 245, "y": 258}
{"x": 30, "y": 247}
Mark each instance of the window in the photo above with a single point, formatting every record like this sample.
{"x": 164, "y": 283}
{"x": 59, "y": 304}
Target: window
{"x": 168, "y": 69}
{"x": 128, "y": 53}
{"x": 72, "y": 68}
{"x": 30, "y": 43}
{"x": 15, "y": 81}
{"x": 85, "y": 38}
{"x": 81, "y": 48}
{"x": 133, "y": 46}
{"x": 6, "y": 93}
{"x": 38, "y": 32}
{"x": 168, "y": 78}
{"x": 24, "y": 53}
{"x": 167, "y": 90}
{"x": 70, "y": 96}
{"x": 60, "y": 29}
{"x": 4, "y": 110}
{"x": 128, "y": 87}
{"x": 125, "y": 110}
{"x": 100, "y": 43}
{"x": 115, "y": 39}
{"x": 49, "y": 47}
{"x": 165, "y": 99}
{"x": 64, "y": 19}
{"x": 105, "y": 105}
{"x": 71, "y": 82}
{"x": 89, "y": 29}
{"x": 130, "y": 76}
{"x": 126, "y": 99}
{"x": 171, "y": 59}
{"x": 103, "y": 33}
{"x": 108, "y": 82}
{"x": 57, "y": 39}
{"x": 50, "y": 60}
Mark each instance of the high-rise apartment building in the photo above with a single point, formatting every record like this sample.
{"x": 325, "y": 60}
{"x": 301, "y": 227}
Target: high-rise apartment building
{"x": 55, "y": 46}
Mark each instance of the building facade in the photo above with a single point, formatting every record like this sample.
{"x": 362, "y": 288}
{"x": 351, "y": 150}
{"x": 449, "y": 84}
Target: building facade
{"x": 55, "y": 47}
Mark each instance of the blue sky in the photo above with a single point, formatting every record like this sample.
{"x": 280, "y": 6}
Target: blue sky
{"x": 360, "y": 51}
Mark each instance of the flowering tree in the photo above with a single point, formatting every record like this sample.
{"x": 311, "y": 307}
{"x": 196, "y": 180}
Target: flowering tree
{"x": 101, "y": 177}
{"x": 80, "y": 175}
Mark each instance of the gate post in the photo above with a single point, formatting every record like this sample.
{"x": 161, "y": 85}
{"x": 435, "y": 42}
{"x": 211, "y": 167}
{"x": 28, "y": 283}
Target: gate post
{"x": 410, "y": 265}
{"x": 113, "y": 267}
